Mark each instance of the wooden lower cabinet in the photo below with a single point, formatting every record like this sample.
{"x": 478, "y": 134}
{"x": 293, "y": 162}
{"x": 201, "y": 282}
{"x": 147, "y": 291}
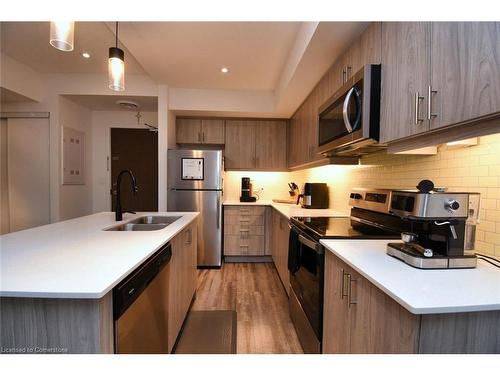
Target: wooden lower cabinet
{"x": 182, "y": 280}
{"x": 358, "y": 317}
{"x": 279, "y": 246}
{"x": 245, "y": 231}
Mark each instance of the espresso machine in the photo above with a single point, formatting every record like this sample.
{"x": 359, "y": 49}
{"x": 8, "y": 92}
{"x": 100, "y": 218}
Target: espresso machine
{"x": 441, "y": 227}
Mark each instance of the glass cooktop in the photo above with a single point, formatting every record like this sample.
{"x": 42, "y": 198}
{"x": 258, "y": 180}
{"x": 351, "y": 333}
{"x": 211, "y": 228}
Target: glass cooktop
{"x": 340, "y": 227}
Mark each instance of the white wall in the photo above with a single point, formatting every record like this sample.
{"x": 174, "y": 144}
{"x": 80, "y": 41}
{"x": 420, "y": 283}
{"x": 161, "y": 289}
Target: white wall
{"x": 20, "y": 78}
{"x": 102, "y": 122}
{"x": 76, "y": 200}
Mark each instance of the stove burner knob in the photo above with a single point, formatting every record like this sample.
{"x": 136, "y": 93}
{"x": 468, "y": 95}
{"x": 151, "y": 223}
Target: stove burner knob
{"x": 428, "y": 253}
{"x": 452, "y": 205}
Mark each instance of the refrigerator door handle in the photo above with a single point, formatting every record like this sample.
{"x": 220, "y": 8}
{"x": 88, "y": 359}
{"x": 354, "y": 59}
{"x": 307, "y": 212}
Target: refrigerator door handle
{"x": 218, "y": 211}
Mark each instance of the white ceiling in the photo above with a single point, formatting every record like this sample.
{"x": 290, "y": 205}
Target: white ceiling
{"x": 108, "y": 102}
{"x": 28, "y": 42}
{"x": 191, "y": 54}
{"x": 276, "y": 63}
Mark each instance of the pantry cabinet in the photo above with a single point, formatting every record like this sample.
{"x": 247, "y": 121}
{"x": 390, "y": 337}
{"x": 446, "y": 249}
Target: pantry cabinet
{"x": 200, "y": 131}
{"x": 279, "y": 247}
{"x": 182, "y": 280}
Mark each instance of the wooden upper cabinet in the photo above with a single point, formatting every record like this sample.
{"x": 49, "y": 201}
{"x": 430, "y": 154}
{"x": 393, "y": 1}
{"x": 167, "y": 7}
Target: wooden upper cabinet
{"x": 368, "y": 48}
{"x": 465, "y": 71}
{"x": 240, "y": 144}
{"x": 188, "y": 130}
{"x": 405, "y": 78}
{"x": 270, "y": 145}
{"x": 200, "y": 131}
{"x": 212, "y": 131}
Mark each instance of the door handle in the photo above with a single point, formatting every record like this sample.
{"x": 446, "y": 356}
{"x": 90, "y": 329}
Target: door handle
{"x": 418, "y": 98}
{"x": 350, "y": 301}
{"x": 203, "y": 137}
{"x": 430, "y": 115}
{"x": 342, "y": 285}
{"x": 199, "y": 136}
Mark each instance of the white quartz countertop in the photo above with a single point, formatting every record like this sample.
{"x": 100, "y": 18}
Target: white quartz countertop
{"x": 76, "y": 258}
{"x": 288, "y": 209}
{"x": 421, "y": 291}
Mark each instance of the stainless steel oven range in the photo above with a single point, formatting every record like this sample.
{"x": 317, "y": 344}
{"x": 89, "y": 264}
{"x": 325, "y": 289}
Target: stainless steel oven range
{"x": 306, "y": 256}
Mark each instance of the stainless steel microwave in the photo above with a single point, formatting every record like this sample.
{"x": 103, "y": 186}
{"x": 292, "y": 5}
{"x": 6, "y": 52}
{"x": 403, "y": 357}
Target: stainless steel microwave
{"x": 349, "y": 121}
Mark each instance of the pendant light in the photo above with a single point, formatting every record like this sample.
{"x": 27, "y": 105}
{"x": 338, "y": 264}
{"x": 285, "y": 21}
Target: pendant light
{"x": 116, "y": 66}
{"x": 62, "y": 35}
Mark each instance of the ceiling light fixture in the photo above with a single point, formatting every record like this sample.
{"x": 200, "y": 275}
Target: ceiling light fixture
{"x": 224, "y": 70}
{"x": 116, "y": 66}
{"x": 86, "y": 55}
{"x": 62, "y": 35}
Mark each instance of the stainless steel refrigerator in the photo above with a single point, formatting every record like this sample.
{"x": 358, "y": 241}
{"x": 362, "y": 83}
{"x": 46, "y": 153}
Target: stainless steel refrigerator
{"x": 195, "y": 179}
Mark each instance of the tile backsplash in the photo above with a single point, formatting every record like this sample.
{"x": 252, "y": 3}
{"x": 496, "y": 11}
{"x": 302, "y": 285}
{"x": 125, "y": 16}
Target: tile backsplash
{"x": 474, "y": 169}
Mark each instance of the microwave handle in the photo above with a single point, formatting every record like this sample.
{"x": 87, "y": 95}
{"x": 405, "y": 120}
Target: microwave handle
{"x": 347, "y": 123}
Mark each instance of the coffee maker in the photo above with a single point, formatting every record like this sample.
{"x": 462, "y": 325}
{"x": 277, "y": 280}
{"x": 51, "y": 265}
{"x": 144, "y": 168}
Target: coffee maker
{"x": 246, "y": 190}
{"x": 442, "y": 227}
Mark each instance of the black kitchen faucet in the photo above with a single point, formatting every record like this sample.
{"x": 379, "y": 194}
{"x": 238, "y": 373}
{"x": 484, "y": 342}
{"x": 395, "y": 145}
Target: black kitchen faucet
{"x": 118, "y": 206}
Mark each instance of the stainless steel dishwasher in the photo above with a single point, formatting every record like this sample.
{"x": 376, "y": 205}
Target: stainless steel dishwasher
{"x": 140, "y": 307}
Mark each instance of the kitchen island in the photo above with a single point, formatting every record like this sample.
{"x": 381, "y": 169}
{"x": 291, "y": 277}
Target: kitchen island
{"x": 57, "y": 280}
{"x": 375, "y": 303}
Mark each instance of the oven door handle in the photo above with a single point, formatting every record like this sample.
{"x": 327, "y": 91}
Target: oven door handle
{"x": 350, "y": 128}
{"x": 311, "y": 244}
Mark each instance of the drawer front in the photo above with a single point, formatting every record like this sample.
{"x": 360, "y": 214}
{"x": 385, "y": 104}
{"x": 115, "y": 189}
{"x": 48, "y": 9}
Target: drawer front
{"x": 243, "y": 230}
{"x": 236, "y": 245}
{"x": 244, "y": 210}
{"x": 250, "y": 220}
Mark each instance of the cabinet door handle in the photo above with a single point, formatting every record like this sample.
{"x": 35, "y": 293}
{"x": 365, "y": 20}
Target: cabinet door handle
{"x": 203, "y": 137}
{"x": 342, "y": 285}
{"x": 350, "y": 301}
{"x": 418, "y": 98}
{"x": 199, "y": 136}
{"x": 348, "y": 72}
{"x": 430, "y": 115}
{"x": 189, "y": 237}
{"x": 343, "y": 75}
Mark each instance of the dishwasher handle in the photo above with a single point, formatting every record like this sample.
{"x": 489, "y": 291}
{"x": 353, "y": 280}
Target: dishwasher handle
{"x": 127, "y": 291}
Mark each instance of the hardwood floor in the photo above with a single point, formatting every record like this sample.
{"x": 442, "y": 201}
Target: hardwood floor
{"x": 256, "y": 293}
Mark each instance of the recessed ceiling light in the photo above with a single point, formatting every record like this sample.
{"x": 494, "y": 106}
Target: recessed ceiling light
{"x": 86, "y": 55}
{"x": 224, "y": 70}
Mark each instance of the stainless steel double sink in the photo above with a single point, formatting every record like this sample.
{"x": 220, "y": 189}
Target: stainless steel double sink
{"x": 145, "y": 223}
